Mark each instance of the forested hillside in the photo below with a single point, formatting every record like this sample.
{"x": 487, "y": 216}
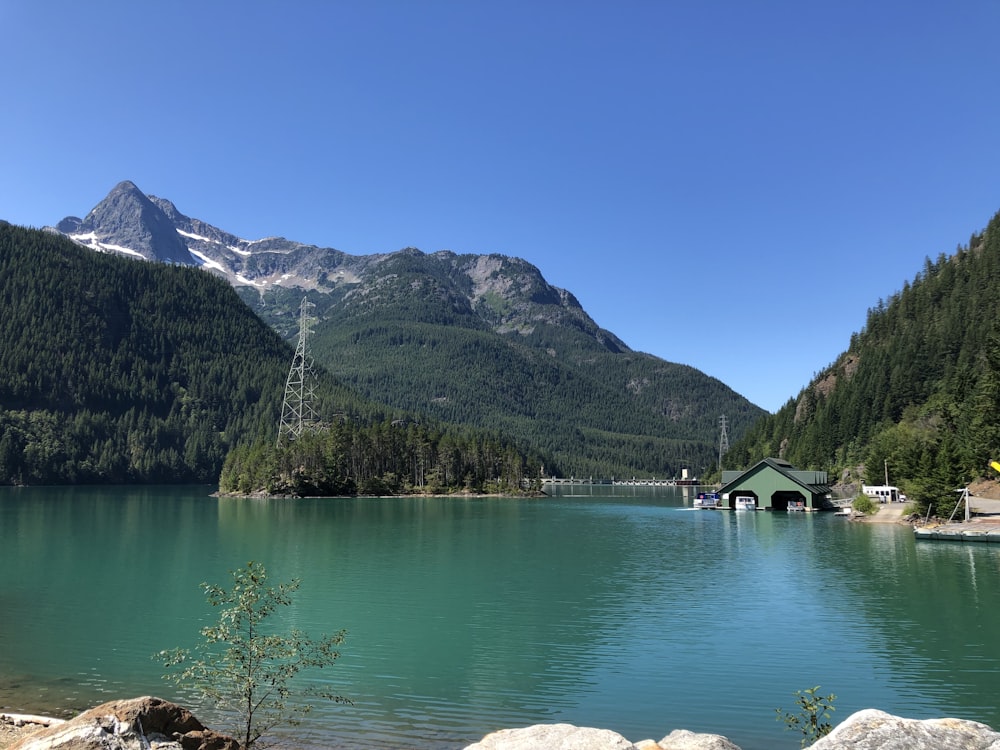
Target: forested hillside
{"x": 516, "y": 359}
{"x": 609, "y": 415}
{"x": 123, "y": 371}
{"x": 917, "y": 391}
{"x": 116, "y": 370}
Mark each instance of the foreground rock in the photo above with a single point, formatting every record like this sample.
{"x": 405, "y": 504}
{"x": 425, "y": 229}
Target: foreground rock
{"x": 553, "y": 737}
{"x": 682, "y": 739}
{"x": 877, "y": 730}
{"x": 865, "y": 730}
{"x": 135, "y": 724}
{"x": 569, "y": 737}
{"x": 155, "y": 724}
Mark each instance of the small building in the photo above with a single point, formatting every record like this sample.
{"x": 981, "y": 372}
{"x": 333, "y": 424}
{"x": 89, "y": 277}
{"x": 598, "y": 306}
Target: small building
{"x": 774, "y": 484}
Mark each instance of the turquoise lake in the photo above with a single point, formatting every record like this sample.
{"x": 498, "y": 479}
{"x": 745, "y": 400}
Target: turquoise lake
{"x": 617, "y": 608}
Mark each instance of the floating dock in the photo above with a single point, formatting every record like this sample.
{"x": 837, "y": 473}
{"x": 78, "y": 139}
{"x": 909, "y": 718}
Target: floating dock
{"x": 974, "y": 530}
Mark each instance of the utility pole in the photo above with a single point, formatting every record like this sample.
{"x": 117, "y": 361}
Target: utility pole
{"x": 297, "y": 410}
{"x": 723, "y": 440}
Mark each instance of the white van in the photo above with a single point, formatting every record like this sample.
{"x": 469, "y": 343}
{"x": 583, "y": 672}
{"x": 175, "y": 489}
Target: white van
{"x": 883, "y": 493}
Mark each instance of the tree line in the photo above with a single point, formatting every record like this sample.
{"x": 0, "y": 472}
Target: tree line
{"x": 916, "y": 394}
{"x": 389, "y": 457}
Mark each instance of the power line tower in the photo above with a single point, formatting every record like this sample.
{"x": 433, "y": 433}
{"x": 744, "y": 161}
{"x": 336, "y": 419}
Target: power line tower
{"x": 297, "y": 411}
{"x": 723, "y": 439}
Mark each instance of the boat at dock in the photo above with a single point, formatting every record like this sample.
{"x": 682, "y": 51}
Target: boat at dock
{"x": 708, "y": 500}
{"x": 746, "y": 503}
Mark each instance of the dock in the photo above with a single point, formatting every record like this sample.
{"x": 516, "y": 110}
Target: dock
{"x": 983, "y": 525}
{"x": 975, "y": 530}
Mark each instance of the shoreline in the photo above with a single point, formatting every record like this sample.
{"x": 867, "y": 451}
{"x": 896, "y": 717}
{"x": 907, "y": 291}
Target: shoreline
{"x": 14, "y": 727}
{"x": 460, "y": 495}
{"x": 887, "y": 513}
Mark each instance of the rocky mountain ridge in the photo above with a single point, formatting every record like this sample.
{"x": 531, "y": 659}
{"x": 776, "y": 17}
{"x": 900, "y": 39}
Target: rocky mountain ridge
{"x": 508, "y": 294}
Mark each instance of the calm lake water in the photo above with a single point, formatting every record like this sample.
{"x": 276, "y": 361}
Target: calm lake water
{"x": 624, "y": 609}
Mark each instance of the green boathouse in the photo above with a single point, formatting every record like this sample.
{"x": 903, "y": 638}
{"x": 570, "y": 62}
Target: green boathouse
{"x": 774, "y": 484}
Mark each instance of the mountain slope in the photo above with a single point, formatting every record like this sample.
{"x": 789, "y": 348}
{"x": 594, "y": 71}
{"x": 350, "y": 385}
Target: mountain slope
{"x": 916, "y": 394}
{"x": 124, "y": 371}
{"x": 482, "y": 340}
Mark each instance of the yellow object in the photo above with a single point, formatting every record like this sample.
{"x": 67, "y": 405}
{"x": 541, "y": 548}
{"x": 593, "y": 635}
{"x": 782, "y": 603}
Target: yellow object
{"x": 995, "y": 465}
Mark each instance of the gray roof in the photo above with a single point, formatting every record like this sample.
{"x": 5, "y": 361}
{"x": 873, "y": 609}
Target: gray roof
{"x": 813, "y": 481}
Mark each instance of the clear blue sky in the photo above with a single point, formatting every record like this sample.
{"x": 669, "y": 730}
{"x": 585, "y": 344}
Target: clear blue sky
{"x": 725, "y": 184}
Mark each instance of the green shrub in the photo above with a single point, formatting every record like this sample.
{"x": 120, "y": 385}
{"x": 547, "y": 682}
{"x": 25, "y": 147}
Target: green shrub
{"x": 812, "y": 720}
{"x": 244, "y": 668}
{"x": 864, "y": 504}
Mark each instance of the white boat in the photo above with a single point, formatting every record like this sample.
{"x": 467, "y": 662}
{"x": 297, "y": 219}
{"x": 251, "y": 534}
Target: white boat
{"x": 746, "y": 503}
{"x": 707, "y": 500}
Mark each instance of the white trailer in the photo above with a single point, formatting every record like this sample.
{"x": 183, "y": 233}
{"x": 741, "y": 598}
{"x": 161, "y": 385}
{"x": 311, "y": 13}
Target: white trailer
{"x": 883, "y": 493}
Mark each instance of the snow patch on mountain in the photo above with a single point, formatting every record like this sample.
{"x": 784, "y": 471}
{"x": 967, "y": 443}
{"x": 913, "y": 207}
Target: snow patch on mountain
{"x": 91, "y": 240}
{"x": 202, "y": 238}
{"x": 207, "y": 262}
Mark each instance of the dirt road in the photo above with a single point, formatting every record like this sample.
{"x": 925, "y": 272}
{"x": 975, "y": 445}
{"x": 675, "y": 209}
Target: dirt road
{"x": 894, "y": 512}
{"x": 887, "y": 513}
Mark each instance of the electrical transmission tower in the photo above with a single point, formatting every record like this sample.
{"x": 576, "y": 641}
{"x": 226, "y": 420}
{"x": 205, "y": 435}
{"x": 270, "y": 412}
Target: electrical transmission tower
{"x": 723, "y": 439}
{"x": 297, "y": 411}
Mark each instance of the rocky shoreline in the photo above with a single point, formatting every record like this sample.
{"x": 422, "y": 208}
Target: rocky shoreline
{"x": 149, "y": 723}
{"x": 13, "y": 727}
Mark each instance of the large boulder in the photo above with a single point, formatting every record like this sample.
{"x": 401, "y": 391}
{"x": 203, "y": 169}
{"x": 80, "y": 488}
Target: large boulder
{"x": 136, "y": 724}
{"x": 569, "y": 737}
{"x": 682, "y": 739}
{"x": 864, "y": 730}
{"x": 553, "y": 737}
{"x": 876, "y": 730}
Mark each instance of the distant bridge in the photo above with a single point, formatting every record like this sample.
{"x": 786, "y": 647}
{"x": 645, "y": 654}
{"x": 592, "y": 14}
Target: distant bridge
{"x": 622, "y": 482}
